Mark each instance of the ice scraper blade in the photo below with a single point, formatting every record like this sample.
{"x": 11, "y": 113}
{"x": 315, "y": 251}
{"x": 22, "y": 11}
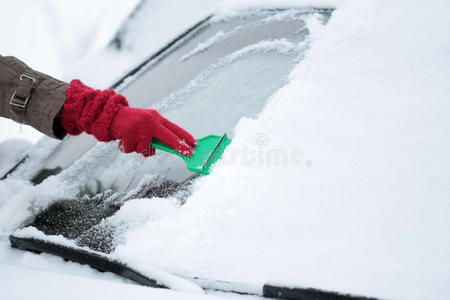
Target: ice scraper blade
{"x": 208, "y": 151}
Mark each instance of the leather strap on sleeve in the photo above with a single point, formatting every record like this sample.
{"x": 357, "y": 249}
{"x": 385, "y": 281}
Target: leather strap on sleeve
{"x": 30, "y": 97}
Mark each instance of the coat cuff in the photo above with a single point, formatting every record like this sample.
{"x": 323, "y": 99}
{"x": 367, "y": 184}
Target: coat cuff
{"x": 46, "y": 97}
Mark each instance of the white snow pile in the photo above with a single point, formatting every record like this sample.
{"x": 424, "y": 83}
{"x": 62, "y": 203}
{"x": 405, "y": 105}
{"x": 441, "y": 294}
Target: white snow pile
{"x": 346, "y": 185}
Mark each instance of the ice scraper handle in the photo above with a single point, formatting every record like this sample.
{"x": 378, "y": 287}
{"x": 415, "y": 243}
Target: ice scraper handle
{"x": 157, "y": 144}
{"x": 206, "y": 153}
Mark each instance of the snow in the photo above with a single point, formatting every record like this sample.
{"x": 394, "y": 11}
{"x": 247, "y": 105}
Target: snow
{"x": 31, "y": 232}
{"x": 39, "y": 284}
{"x": 173, "y": 282}
{"x": 368, "y": 108}
{"x": 11, "y": 152}
{"x": 219, "y": 36}
{"x": 228, "y": 8}
{"x": 341, "y": 183}
{"x": 179, "y": 97}
{"x": 159, "y": 16}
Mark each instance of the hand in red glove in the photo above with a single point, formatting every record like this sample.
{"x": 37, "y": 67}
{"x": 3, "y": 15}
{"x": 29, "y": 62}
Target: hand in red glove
{"x": 137, "y": 127}
{"x": 107, "y": 116}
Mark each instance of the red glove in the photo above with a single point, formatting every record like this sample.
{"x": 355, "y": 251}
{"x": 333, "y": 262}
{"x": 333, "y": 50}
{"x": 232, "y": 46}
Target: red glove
{"x": 107, "y": 116}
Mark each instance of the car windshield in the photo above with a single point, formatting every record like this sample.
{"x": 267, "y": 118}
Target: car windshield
{"x": 217, "y": 73}
{"x": 224, "y": 70}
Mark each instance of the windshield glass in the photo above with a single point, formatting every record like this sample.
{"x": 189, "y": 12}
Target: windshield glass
{"x": 206, "y": 82}
{"x": 224, "y": 70}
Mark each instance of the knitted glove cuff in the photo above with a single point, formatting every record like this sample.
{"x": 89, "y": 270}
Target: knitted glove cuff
{"x": 91, "y": 111}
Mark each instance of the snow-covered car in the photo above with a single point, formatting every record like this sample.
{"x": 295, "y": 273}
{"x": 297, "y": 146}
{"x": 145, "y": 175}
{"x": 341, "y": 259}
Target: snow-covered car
{"x": 335, "y": 184}
{"x": 217, "y": 72}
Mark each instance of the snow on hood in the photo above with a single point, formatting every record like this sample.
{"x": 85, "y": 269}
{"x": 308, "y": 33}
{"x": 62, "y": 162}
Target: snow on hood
{"x": 342, "y": 181}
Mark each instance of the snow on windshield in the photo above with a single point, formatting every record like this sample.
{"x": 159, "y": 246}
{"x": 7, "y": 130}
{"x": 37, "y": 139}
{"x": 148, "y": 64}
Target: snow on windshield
{"x": 362, "y": 203}
{"x": 210, "y": 91}
{"x": 234, "y": 81}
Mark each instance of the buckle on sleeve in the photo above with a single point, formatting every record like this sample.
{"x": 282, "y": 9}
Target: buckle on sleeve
{"x": 21, "y": 95}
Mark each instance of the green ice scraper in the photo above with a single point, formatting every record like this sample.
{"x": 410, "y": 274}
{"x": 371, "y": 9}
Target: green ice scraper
{"x": 208, "y": 151}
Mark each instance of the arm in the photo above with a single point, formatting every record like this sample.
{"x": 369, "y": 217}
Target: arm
{"x": 46, "y": 96}
{"x": 57, "y": 108}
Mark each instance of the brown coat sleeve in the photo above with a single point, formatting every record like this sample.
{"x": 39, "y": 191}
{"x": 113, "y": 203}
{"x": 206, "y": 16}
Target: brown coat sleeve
{"x": 30, "y": 97}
